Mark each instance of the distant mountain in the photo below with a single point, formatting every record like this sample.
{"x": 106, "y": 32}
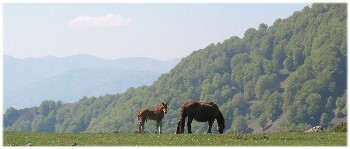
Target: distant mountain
{"x": 27, "y": 82}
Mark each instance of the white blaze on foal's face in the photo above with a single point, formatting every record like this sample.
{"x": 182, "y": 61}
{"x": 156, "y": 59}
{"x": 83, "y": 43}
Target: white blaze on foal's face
{"x": 165, "y": 107}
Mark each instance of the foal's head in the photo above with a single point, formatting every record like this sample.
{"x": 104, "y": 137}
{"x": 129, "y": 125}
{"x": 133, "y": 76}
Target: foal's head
{"x": 164, "y": 107}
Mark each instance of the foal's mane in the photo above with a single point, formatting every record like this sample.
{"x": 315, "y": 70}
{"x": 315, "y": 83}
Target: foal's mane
{"x": 159, "y": 107}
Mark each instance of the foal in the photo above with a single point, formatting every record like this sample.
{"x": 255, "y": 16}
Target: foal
{"x": 156, "y": 115}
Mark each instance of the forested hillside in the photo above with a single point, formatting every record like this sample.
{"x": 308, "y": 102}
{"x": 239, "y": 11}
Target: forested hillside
{"x": 292, "y": 72}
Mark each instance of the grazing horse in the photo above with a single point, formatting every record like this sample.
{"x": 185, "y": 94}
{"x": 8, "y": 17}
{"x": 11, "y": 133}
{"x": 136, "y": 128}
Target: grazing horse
{"x": 157, "y": 115}
{"x": 201, "y": 112}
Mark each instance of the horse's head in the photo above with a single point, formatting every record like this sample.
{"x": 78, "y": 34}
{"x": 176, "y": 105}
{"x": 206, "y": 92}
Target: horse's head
{"x": 221, "y": 128}
{"x": 164, "y": 107}
{"x": 221, "y": 123}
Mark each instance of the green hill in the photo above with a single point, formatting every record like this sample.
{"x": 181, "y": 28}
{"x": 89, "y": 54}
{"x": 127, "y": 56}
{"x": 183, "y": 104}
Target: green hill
{"x": 292, "y": 72}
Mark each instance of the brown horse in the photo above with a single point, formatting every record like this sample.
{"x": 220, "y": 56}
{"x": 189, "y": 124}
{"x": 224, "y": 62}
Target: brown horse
{"x": 201, "y": 112}
{"x": 156, "y": 115}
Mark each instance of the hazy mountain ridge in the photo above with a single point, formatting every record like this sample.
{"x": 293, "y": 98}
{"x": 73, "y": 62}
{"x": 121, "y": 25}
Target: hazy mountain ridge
{"x": 29, "y": 81}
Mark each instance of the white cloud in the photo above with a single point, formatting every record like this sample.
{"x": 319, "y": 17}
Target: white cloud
{"x": 109, "y": 20}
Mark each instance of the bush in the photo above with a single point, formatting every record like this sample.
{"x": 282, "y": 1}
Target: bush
{"x": 342, "y": 127}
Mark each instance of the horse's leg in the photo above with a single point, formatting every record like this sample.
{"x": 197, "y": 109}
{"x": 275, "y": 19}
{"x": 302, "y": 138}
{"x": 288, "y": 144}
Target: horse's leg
{"x": 178, "y": 127}
{"x": 189, "y": 121}
{"x": 182, "y": 127}
{"x": 181, "y": 122}
{"x": 160, "y": 127}
{"x": 210, "y": 124}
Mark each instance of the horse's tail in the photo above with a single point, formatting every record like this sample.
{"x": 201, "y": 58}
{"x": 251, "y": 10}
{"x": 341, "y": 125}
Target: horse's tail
{"x": 181, "y": 122}
{"x": 183, "y": 111}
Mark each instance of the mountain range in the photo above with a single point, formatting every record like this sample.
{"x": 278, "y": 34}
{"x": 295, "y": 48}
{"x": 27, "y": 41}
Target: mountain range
{"x": 29, "y": 81}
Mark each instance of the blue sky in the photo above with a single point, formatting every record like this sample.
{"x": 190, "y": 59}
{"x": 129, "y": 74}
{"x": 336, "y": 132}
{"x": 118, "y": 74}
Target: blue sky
{"x": 112, "y": 31}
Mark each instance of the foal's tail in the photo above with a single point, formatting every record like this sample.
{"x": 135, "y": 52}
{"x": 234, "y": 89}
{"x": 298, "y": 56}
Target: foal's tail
{"x": 140, "y": 116}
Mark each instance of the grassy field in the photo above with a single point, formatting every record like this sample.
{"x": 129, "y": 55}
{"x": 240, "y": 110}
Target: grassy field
{"x": 129, "y": 139}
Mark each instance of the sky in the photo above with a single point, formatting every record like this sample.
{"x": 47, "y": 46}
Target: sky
{"x": 120, "y": 30}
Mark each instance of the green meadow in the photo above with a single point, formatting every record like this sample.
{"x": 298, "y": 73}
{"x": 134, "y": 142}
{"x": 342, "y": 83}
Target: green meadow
{"x": 130, "y": 139}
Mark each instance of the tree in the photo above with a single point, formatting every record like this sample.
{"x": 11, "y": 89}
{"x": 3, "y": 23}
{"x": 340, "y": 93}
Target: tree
{"x": 263, "y": 26}
{"x": 340, "y": 105}
{"x": 239, "y": 103}
{"x": 240, "y": 124}
{"x": 23, "y": 126}
{"x": 38, "y": 125}
{"x": 192, "y": 93}
{"x": 262, "y": 121}
{"x": 258, "y": 109}
{"x": 46, "y": 106}
{"x": 330, "y": 103}
{"x": 10, "y": 116}
{"x": 273, "y": 106}
{"x": 278, "y": 56}
{"x": 288, "y": 63}
{"x": 265, "y": 82}
{"x": 314, "y": 109}
{"x": 249, "y": 92}
{"x": 324, "y": 120}
{"x": 226, "y": 93}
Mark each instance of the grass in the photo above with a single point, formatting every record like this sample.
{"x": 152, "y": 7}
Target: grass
{"x": 129, "y": 139}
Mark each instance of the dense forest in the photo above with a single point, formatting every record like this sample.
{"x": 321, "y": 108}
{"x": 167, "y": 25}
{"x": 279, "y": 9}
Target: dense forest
{"x": 290, "y": 76}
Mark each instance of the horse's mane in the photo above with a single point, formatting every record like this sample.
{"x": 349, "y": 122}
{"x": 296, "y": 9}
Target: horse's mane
{"x": 208, "y": 104}
{"x": 220, "y": 118}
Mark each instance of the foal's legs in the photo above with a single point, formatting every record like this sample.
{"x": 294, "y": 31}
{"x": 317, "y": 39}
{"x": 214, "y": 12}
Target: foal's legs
{"x": 142, "y": 125}
{"x": 159, "y": 127}
{"x": 143, "y": 128}
{"x": 210, "y": 124}
{"x": 189, "y": 121}
{"x": 139, "y": 119}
